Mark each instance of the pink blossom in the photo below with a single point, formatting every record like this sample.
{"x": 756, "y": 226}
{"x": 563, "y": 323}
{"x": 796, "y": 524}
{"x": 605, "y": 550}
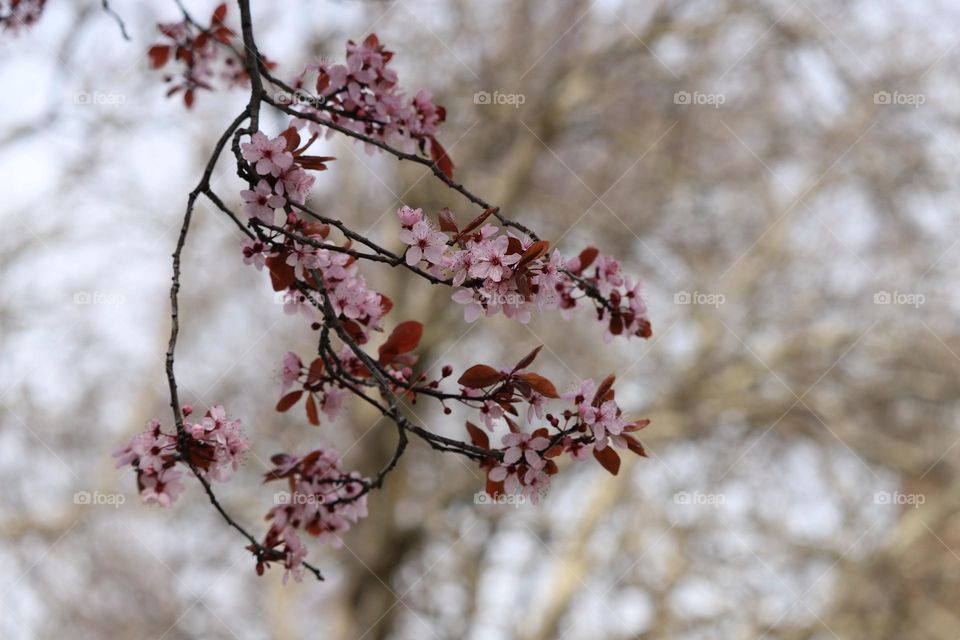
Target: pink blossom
{"x": 255, "y": 253}
{"x": 295, "y": 553}
{"x": 424, "y": 243}
{"x": 161, "y": 488}
{"x": 261, "y": 202}
{"x": 490, "y": 259}
{"x": 289, "y": 371}
{"x": 295, "y": 183}
{"x": 270, "y": 155}
{"x": 526, "y": 446}
{"x": 409, "y": 217}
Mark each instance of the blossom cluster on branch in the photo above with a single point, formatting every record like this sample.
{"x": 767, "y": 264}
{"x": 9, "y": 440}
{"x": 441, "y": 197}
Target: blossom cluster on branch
{"x": 491, "y": 263}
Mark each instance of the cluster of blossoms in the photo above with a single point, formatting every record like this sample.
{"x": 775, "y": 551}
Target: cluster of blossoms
{"x": 500, "y": 272}
{"x": 214, "y": 446}
{"x": 363, "y": 96}
{"x": 280, "y": 165}
{"x": 302, "y": 250}
{"x": 321, "y": 499}
{"x": 590, "y": 422}
{"x": 19, "y": 14}
{"x": 196, "y": 49}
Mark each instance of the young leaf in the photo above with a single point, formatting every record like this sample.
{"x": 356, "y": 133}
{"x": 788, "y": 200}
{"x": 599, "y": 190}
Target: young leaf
{"x": 528, "y": 359}
{"x": 478, "y": 436}
{"x": 608, "y": 459}
{"x": 289, "y": 400}
{"x": 539, "y": 384}
{"x": 312, "y": 416}
{"x": 479, "y": 376}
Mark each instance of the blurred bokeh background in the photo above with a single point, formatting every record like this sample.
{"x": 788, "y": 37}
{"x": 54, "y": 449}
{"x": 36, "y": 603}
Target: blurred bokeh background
{"x": 781, "y": 174}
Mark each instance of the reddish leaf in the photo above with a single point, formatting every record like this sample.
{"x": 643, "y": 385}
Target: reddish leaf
{"x": 476, "y": 222}
{"x": 292, "y": 137}
{"x": 289, "y": 400}
{"x": 315, "y": 163}
{"x": 534, "y": 251}
{"x": 539, "y": 384}
{"x": 371, "y": 41}
{"x": 634, "y": 445}
{"x": 405, "y": 338}
{"x": 219, "y": 14}
{"x": 513, "y": 245}
{"x": 316, "y": 371}
{"x": 386, "y": 304}
{"x": 608, "y": 459}
{"x": 514, "y": 427}
{"x": 188, "y": 98}
{"x": 282, "y": 275}
{"x": 587, "y": 256}
{"x": 480, "y": 375}
{"x": 604, "y": 387}
{"x": 478, "y": 436}
{"x": 440, "y": 158}
{"x": 636, "y": 426}
{"x": 159, "y": 54}
{"x": 528, "y": 359}
{"x": 447, "y": 222}
{"x": 312, "y": 416}
{"x": 494, "y": 488}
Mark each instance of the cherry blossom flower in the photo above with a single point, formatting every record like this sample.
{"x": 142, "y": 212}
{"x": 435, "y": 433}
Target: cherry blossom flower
{"x": 490, "y": 259}
{"x": 526, "y": 446}
{"x": 255, "y": 253}
{"x": 409, "y": 217}
{"x": 161, "y": 488}
{"x": 269, "y": 154}
{"x": 424, "y": 243}
{"x": 289, "y": 371}
{"x": 261, "y": 202}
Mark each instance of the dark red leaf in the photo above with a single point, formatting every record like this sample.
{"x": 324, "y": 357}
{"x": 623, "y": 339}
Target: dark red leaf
{"x": 480, "y": 375}
{"x": 447, "y": 222}
{"x": 159, "y": 54}
{"x": 534, "y": 251}
{"x": 440, "y": 158}
{"x": 539, "y": 384}
{"x": 292, "y": 137}
{"x": 315, "y": 163}
{"x": 282, "y": 275}
{"x": 219, "y": 14}
{"x": 587, "y": 256}
{"x": 634, "y": 445}
{"x": 312, "y": 416}
{"x": 604, "y": 387}
{"x": 478, "y": 436}
{"x": 608, "y": 459}
{"x": 289, "y": 400}
{"x": 316, "y": 371}
{"x": 528, "y": 359}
